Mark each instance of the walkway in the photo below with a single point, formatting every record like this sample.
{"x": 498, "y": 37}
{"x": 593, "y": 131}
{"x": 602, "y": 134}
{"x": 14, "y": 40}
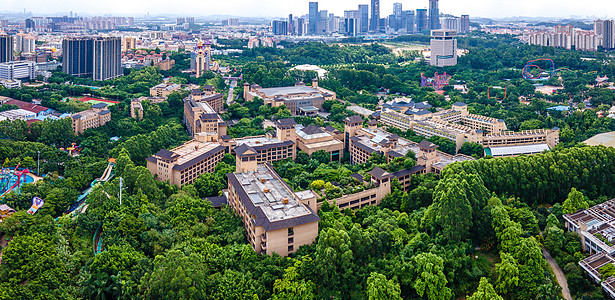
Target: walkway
{"x": 559, "y": 274}
{"x": 229, "y": 99}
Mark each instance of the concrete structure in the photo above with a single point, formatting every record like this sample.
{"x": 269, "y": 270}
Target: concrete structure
{"x": 458, "y": 125}
{"x": 99, "y": 57}
{"x": 434, "y": 15}
{"x": 129, "y": 43}
{"x": 14, "y": 70}
{"x": 443, "y": 48}
{"x": 567, "y": 37}
{"x": 313, "y": 138}
{"x": 203, "y": 122}
{"x": 24, "y": 43}
{"x": 17, "y": 114}
{"x": 182, "y": 165}
{"x": 208, "y": 94}
{"x": 201, "y": 58}
{"x": 107, "y": 61}
{"x": 374, "y": 22}
{"x": 595, "y": 227}
{"x": 96, "y": 116}
{"x": 164, "y": 89}
{"x": 464, "y": 24}
{"x": 299, "y": 99}
{"x": 6, "y": 48}
{"x": 277, "y": 219}
{"x": 382, "y": 181}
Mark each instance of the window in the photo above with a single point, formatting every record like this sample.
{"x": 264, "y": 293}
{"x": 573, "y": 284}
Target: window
{"x": 291, "y": 240}
{"x": 291, "y": 231}
{"x": 291, "y": 248}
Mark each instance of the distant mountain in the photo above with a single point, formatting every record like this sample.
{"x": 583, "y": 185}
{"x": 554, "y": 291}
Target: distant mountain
{"x": 574, "y": 23}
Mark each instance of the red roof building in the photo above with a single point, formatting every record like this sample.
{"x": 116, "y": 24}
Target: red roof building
{"x": 37, "y": 109}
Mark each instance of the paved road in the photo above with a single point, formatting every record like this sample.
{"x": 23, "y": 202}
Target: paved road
{"x": 559, "y": 274}
{"x": 229, "y": 99}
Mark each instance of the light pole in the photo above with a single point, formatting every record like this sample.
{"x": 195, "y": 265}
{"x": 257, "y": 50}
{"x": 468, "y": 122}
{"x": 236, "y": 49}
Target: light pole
{"x": 121, "y": 183}
{"x": 38, "y": 163}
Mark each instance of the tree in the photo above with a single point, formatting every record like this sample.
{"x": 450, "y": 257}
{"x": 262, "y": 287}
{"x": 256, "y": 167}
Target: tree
{"x": 451, "y": 209}
{"x": 507, "y": 274}
{"x": 321, "y": 156}
{"x": 485, "y": 291}
{"x": 379, "y": 288}
{"x": 292, "y": 286}
{"x": 431, "y": 280}
{"x": 574, "y": 202}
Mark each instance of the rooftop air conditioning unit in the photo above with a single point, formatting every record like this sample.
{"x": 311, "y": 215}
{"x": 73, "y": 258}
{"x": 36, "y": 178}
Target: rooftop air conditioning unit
{"x": 285, "y": 200}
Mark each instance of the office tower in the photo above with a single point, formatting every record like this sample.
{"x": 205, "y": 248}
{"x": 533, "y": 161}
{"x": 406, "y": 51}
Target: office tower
{"x": 443, "y": 48}
{"x": 323, "y": 22}
{"x": 300, "y": 28}
{"x": 434, "y": 15}
{"x": 77, "y": 56}
{"x": 107, "y": 60}
{"x": 333, "y": 27}
{"x": 290, "y": 25}
{"x": 279, "y": 27}
{"x": 464, "y": 24}
{"x": 397, "y": 9}
{"x": 374, "y": 24}
{"x": 351, "y": 22}
{"x": 607, "y": 34}
{"x": 421, "y": 20}
{"x": 313, "y": 18}
{"x": 6, "y": 48}
{"x": 363, "y": 18}
{"x": 407, "y": 21}
{"x": 598, "y": 26}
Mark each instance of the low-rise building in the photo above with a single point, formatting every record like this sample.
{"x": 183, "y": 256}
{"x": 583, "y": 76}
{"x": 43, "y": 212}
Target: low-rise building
{"x": 313, "y": 138}
{"x": 208, "y": 95}
{"x": 596, "y": 229}
{"x": 299, "y": 99}
{"x": 17, "y": 114}
{"x": 277, "y": 220}
{"x": 203, "y": 122}
{"x": 136, "y": 106}
{"x": 164, "y": 89}
{"x": 18, "y": 70}
{"x": 98, "y": 115}
{"x": 182, "y": 165}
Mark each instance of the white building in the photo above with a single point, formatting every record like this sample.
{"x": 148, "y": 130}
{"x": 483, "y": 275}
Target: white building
{"x": 17, "y": 70}
{"x": 17, "y": 114}
{"x": 24, "y": 43}
{"x": 443, "y": 48}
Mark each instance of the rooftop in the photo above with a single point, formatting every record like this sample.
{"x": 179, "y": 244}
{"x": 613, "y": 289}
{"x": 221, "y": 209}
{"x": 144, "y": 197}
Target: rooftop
{"x": 190, "y": 153}
{"x": 288, "y": 90}
{"x": 517, "y": 150}
{"x": 267, "y": 197}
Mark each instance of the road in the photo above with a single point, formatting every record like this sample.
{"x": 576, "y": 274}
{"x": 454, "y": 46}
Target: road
{"x": 229, "y": 99}
{"x": 559, "y": 274}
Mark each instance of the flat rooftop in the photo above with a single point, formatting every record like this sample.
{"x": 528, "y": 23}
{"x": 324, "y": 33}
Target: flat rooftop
{"x": 289, "y": 90}
{"x": 266, "y": 190}
{"x": 255, "y": 141}
{"x": 193, "y": 149}
{"x": 606, "y": 139}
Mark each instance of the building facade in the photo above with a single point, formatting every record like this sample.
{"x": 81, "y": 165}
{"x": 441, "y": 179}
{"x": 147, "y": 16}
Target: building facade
{"x": 18, "y": 70}
{"x": 299, "y": 99}
{"x": 203, "y": 122}
{"x": 182, "y": 165}
{"x": 98, "y": 115}
{"x": 443, "y": 46}
{"x": 107, "y": 60}
{"x": 6, "y": 48}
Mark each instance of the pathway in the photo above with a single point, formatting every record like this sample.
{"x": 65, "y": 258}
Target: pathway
{"x": 559, "y": 274}
{"x": 229, "y": 99}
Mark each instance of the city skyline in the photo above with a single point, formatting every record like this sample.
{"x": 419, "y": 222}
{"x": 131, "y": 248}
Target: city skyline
{"x": 279, "y": 8}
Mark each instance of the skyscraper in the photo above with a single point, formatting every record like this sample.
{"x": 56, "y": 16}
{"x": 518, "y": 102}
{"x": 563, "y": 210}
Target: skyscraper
{"x": 397, "y": 9}
{"x": 421, "y": 20}
{"x": 374, "y": 24}
{"x": 407, "y": 21}
{"x": 607, "y": 34}
{"x": 290, "y": 24}
{"x": 363, "y": 18}
{"x": 434, "y": 15}
{"x": 77, "y": 56}
{"x": 107, "y": 61}
{"x": 6, "y": 48}
{"x": 351, "y": 22}
{"x": 464, "y": 24}
{"x": 598, "y": 26}
{"x": 279, "y": 27}
{"x": 313, "y": 18}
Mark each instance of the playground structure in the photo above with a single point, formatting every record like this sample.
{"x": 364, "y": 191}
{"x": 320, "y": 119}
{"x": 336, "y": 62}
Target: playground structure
{"x": 542, "y": 75}
{"x": 36, "y": 204}
{"x": 438, "y": 82}
{"x": 11, "y": 180}
{"x": 97, "y": 246}
{"x": 73, "y": 150}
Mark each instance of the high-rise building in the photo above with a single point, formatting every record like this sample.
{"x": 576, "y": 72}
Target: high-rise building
{"x": 6, "y": 48}
{"x": 443, "y": 48}
{"x": 421, "y": 20}
{"x": 451, "y": 23}
{"x": 24, "y": 43}
{"x": 363, "y": 18}
{"x": 407, "y": 21}
{"x": 464, "y": 24}
{"x": 607, "y": 34}
{"x": 77, "y": 56}
{"x": 279, "y": 27}
{"x": 290, "y": 24}
{"x": 201, "y": 58}
{"x": 107, "y": 61}
{"x": 314, "y": 18}
{"x": 129, "y": 43}
{"x": 374, "y": 24}
{"x": 434, "y": 15}
{"x": 397, "y": 9}
{"x": 300, "y": 28}
{"x": 323, "y": 22}
{"x": 351, "y": 22}
{"x": 598, "y": 26}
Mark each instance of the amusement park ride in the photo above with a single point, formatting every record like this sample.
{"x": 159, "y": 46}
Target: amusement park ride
{"x": 11, "y": 180}
{"x": 438, "y": 82}
{"x": 542, "y": 75}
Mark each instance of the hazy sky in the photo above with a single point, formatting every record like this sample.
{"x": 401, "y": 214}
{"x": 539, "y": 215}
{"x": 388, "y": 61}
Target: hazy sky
{"x": 279, "y": 8}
